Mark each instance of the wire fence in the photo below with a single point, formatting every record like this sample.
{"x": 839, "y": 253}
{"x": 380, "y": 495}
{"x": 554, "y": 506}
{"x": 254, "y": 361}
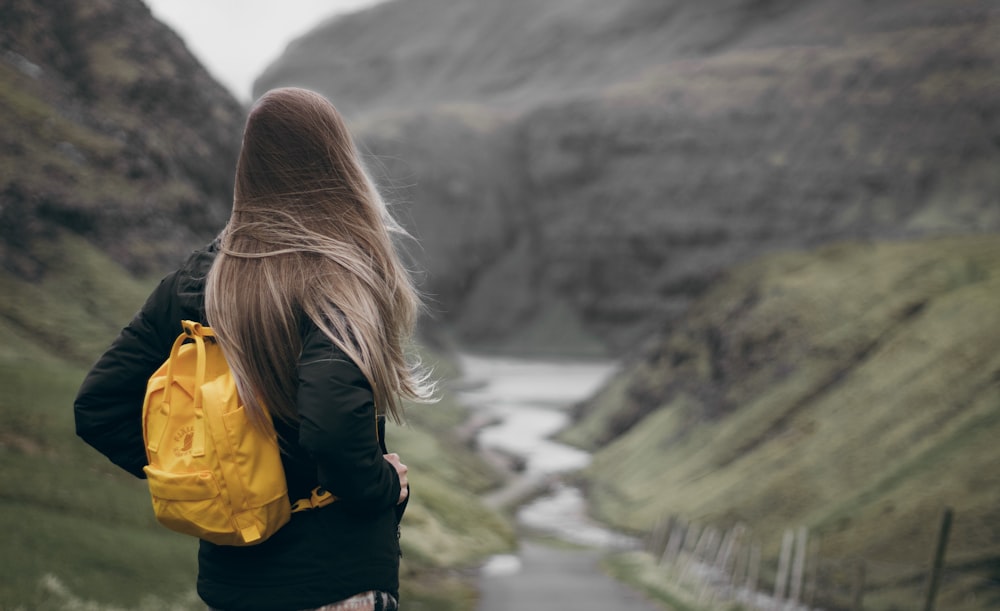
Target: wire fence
{"x": 725, "y": 569}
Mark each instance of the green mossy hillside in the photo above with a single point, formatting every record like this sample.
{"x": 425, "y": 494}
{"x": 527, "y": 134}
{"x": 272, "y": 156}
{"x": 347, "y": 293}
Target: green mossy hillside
{"x": 854, "y": 390}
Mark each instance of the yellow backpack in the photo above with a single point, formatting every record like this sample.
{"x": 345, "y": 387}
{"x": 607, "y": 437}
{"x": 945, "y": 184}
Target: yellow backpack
{"x": 211, "y": 473}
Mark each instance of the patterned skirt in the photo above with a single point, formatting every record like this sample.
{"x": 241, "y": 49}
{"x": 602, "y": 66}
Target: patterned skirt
{"x": 367, "y": 601}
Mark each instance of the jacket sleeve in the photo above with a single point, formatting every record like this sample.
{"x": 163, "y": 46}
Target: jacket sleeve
{"x": 108, "y": 406}
{"x": 337, "y": 427}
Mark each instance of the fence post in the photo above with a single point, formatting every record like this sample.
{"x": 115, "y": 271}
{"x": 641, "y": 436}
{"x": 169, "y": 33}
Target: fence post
{"x": 687, "y": 551}
{"x": 729, "y": 542}
{"x": 691, "y": 538}
{"x": 674, "y": 543}
{"x": 781, "y": 579}
{"x": 726, "y": 557}
{"x": 798, "y": 568}
{"x": 753, "y": 570}
{"x": 741, "y": 565}
{"x": 701, "y": 551}
{"x": 711, "y": 546}
{"x": 858, "y": 596}
{"x": 938, "y": 562}
{"x": 658, "y": 536}
{"x": 812, "y": 582}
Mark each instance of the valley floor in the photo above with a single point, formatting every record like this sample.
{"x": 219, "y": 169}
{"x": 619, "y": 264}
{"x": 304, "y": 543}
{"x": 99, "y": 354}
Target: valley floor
{"x": 556, "y": 579}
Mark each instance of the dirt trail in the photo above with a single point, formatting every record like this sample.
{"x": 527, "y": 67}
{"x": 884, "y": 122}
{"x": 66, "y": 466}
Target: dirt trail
{"x": 556, "y": 579}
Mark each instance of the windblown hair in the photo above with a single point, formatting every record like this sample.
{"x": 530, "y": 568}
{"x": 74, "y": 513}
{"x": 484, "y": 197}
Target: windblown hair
{"x": 309, "y": 237}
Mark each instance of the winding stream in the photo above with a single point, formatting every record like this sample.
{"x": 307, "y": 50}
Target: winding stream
{"x": 525, "y": 402}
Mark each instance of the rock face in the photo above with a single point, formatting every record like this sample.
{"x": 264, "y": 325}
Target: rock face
{"x": 111, "y": 130}
{"x": 584, "y": 169}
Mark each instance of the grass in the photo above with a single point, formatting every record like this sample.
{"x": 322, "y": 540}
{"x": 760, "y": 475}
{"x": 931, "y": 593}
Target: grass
{"x": 80, "y": 532}
{"x": 429, "y": 590}
{"x": 640, "y": 571}
{"x": 871, "y": 407}
{"x": 78, "y": 305}
{"x": 106, "y": 564}
{"x": 79, "y": 527}
{"x": 446, "y": 525}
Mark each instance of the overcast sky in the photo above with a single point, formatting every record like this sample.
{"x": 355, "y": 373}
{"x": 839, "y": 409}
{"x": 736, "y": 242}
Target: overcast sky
{"x": 237, "y": 39}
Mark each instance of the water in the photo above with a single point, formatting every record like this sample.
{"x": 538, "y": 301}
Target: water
{"x": 528, "y": 401}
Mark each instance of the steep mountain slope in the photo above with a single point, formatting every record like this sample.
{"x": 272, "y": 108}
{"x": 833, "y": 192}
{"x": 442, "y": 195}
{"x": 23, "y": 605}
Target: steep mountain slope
{"x": 853, "y": 391}
{"x": 111, "y": 130}
{"x": 581, "y": 170}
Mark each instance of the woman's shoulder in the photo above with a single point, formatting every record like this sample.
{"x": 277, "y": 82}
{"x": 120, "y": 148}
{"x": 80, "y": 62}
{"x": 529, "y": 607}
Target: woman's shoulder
{"x": 189, "y": 280}
{"x": 197, "y": 265}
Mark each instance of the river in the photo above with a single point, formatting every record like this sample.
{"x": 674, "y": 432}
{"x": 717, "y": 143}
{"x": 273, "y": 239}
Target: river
{"x": 518, "y": 405}
{"x": 525, "y": 403}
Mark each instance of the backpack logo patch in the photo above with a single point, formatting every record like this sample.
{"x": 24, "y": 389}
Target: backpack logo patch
{"x": 183, "y": 440}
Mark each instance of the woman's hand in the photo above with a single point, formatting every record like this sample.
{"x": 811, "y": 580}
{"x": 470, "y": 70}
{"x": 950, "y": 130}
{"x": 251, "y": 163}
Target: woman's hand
{"x": 401, "y": 469}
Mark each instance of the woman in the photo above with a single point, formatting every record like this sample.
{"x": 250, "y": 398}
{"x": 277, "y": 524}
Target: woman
{"x": 312, "y": 307}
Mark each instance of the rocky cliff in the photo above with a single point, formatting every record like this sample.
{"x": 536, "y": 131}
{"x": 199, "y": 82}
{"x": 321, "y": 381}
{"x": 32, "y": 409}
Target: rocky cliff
{"x": 579, "y": 171}
{"x": 110, "y": 130}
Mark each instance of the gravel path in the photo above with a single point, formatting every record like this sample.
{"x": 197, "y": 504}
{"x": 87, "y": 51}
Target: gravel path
{"x": 555, "y": 579}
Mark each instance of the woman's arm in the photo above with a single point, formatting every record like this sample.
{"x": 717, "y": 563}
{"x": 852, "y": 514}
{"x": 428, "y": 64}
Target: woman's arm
{"x": 338, "y": 428}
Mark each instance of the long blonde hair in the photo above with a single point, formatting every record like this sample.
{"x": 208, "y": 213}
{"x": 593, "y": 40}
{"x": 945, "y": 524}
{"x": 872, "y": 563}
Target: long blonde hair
{"x": 309, "y": 237}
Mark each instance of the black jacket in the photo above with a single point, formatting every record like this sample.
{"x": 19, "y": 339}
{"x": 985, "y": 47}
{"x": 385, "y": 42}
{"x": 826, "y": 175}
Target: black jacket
{"x": 322, "y": 555}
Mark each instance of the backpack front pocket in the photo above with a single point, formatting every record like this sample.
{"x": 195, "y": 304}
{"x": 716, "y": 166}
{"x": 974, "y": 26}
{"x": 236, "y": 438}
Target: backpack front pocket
{"x": 188, "y": 502}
